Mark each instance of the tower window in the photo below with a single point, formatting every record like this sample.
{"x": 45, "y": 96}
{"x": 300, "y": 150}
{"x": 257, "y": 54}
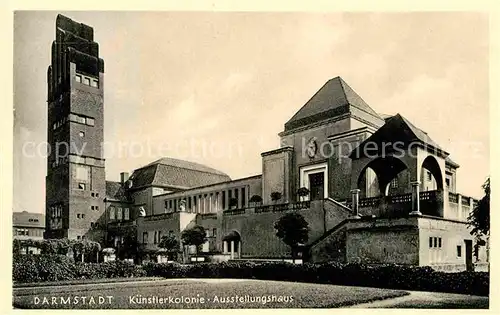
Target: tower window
{"x": 95, "y": 83}
{"x": 459, "y": 251}
{"x": 81, "y": 134}
{"x": 86, "y": 81}
{"x": 78, "y": 78}
{"x": 81, "y": 186}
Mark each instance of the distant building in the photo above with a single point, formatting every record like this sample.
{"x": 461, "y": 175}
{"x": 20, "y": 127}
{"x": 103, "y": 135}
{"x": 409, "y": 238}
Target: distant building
{"x": 367, "y": 202}
{"x": 28, "y": 225}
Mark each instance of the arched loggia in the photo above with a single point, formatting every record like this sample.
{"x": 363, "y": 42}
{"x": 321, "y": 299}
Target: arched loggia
{"x": 376, "y": 177}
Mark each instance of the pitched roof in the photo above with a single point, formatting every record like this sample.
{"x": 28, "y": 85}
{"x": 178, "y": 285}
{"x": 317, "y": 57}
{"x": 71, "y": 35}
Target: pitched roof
{"x": 397, "y": 129}
{"x": 115, "y": 191}
{"x": 333, "y": 99}
{"x": 168, "y": 172}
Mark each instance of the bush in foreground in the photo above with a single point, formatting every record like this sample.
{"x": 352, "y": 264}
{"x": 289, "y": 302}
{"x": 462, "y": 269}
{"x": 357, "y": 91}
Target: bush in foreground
{"x": 40, "y": 268}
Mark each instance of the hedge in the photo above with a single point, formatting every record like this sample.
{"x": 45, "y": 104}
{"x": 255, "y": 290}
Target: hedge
{"x": 381, "y": 276}
{"x": 39, "y": 268}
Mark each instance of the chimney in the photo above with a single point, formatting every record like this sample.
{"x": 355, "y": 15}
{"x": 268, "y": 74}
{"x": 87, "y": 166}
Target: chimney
{"x": 123, "y": 177}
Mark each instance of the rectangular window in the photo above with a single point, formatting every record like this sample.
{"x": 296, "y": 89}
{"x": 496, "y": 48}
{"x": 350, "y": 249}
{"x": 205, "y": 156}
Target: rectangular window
{"x": 95, "y": 83}
{"x": 82, "y": 173}
{"x": 394, "y": 183}
{"x": 119, "y": 214}
{"x": 89, "y": 121}
{"x": 448, "y": 183}
{"x": 144, "y": 237}
{"x": 78, "y": 216}
{"x": 159, "y": 236}
{"x": 214, "y": 232}
{"x": 236, "y": 196}
{"x": 459, "y": 251}
{"x": 78, "y": 237}
{"x": 224, "y": 200}
{"x": 175, "y": 204}
{"x": 430, "y": 242}
{"x": 171, "y": 233}
{"x": 435, "y": 242}
{"x": 166, "y": 204}
{"x": 91, "y": 225}
{"x": 429, "y": 176}
{"x": 155, "y": 241}
{"x": 126, "y": 214}
{"x": 111, "y": 213}
{"x": 78, "y": 78}
{"x": 243, "y": 197}
{"x": 189, "y": 203}
{"x": 86, "y": 80}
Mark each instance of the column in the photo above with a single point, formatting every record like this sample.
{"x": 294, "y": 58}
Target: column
{"x": 415, "y": 198}
{"x": 231, "y": 249}
{"x": 459, "y": 211}
{"x": 355, "y": 203}
{"x": 239, "y": 249}
{"x": 471, "y": 207}
{"x": 224, "y": 243}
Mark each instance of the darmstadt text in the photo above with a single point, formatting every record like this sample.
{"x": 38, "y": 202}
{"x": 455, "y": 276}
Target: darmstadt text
{"x": 73, "y": 300}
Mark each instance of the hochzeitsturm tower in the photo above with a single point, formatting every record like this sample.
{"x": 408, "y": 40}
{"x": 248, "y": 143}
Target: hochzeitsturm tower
{"x": 75, "y": 182}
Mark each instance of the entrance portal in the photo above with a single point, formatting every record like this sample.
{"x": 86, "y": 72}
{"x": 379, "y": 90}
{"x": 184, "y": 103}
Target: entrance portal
{"x": 317, "y": 185}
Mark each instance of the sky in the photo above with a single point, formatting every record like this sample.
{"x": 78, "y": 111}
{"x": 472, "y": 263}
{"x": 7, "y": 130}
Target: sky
{"x": 217, "y": 88}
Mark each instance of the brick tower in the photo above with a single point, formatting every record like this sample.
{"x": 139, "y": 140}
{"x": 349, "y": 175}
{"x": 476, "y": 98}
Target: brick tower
{"x": 75, "y": 182}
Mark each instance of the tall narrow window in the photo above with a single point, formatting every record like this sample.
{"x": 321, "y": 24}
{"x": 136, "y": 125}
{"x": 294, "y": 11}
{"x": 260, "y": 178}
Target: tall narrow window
{"x": 236, "y": 197}
{"x": 119, "y": 214}
{"x": 144, "y": 237}
{"x": 111, "y": 213}
{"x": 126, "y": 213}
{"x": 224, "y": 200}
{"x": 243, "y": 198}
{"x": 459, "y": 251}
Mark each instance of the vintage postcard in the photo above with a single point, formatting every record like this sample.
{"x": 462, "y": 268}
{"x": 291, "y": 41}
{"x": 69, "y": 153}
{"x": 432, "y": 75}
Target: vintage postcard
{"x": 241, "y": 160}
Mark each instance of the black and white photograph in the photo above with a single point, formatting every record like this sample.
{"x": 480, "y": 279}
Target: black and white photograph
{"x": 244, "y": 160}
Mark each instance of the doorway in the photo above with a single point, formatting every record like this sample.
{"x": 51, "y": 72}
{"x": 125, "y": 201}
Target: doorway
{"x": 468, "y": 255}
{"x": 317, "y": 185}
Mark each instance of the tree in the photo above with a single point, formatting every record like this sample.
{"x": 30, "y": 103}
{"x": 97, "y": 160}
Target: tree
{"x": 275, "y": 196}
{"x": 302, "y": 192}
{"x": 293, "y": 230}
{"x": 169, "y": 243}
{"x": 479, "y": 218}
{"x": 255, "y": 199}
{"x": 194, "y": 236}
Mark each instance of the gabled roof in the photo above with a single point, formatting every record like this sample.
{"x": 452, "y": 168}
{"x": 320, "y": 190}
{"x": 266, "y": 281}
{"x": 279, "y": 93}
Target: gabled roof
{"x": 397, "y": 129}
{"x": 333, "y": 99}
{"x": 115, "y": 191}
{"x": 168, "y": 172}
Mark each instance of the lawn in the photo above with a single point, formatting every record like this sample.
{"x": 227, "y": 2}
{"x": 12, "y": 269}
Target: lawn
{"x": 201, "y": 293}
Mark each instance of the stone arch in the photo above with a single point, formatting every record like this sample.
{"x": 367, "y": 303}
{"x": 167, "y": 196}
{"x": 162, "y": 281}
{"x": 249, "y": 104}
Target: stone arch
{"x": 431, "y": 165}
{"x": 385, "y": 169}
{"x": 232, "y": 243}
